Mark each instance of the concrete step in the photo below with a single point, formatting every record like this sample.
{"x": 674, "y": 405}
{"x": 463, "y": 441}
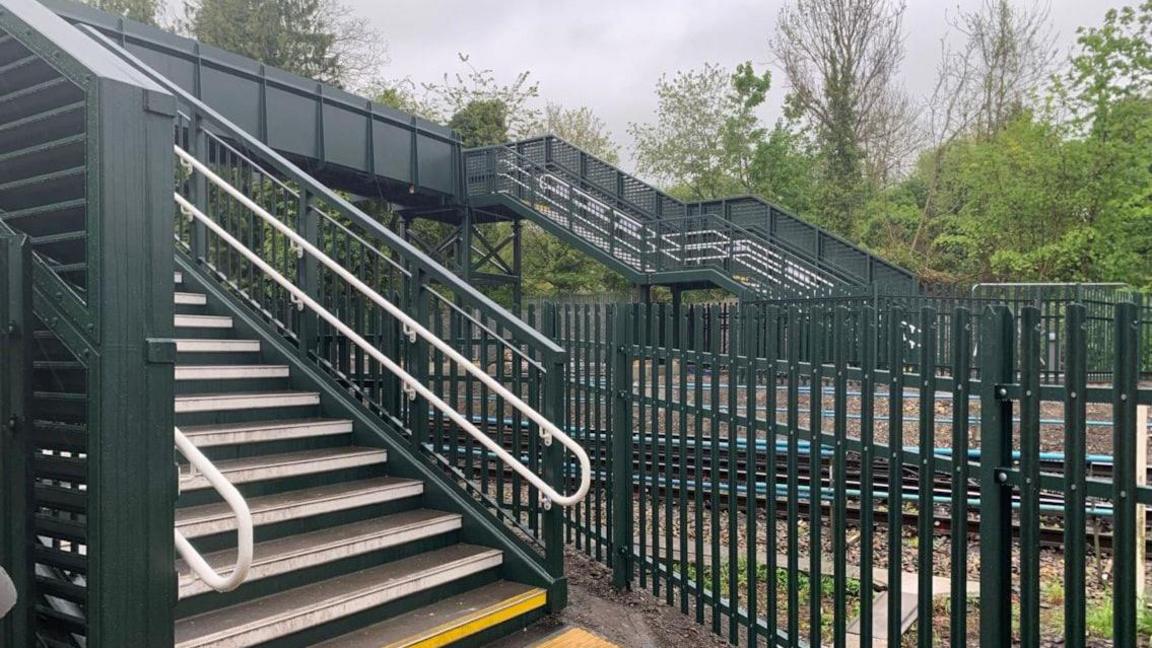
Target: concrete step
{"x": 182, "y": 320}
{"x": 228, "y": 402}
{"x": 449, "y": 620}
{"x": 209, "y": 519}
{"x": 222, "y": 434}
{"x": 193, "y": 345}
{"x": 306, "y": 550}
{"x": 281, "y": 466}
{"x": 268, "y": 618}
{"x": 231, "y": 372}
{"x": 190, "y": 299}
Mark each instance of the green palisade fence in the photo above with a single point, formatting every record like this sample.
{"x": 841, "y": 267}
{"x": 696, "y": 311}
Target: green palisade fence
{"x": 722, "y": 455}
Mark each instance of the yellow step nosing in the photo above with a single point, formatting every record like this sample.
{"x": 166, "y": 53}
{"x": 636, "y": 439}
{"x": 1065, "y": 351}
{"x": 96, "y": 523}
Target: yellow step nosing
{"x": 475, "y": 622}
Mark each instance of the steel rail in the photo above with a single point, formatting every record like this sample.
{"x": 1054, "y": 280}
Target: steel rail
{"x": 239, "y": 508}
{"x": 548, "y": 430}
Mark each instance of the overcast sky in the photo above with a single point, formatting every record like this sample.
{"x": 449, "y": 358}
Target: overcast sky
{"x": 608, "y": 54}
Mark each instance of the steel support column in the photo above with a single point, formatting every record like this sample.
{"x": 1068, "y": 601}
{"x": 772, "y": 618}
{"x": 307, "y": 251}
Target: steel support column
{"x": 15, "y": 397}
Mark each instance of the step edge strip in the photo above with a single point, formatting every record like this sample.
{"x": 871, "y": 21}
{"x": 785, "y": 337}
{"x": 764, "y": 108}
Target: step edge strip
{"x": 476, "y": 622}
{"x": 372, "y": 495}
{"x": 190, "y": 584}
{"x": 435, "y": 576}
{"x": 199, "y": 482}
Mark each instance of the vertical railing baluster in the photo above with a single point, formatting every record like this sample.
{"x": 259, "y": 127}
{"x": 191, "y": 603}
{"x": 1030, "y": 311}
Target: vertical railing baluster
{"x": 753, "y": 322}
{"x": 697, "y": 355}
{"x": 818, "y": 327}
{"x": 1075, "y": 449}
{"x": 839, "y": 478}
{"x": 926, "y": 509}
{"x": 795, "y": 325}
{"x": 659, "y": 479}
{"x": 714, "y": 461}
{"x": 1030, "y": 374}
{"x": 896, "y": 319}
{"x": 669, "y": 339}
{"x": 1126, "y": 378}
{"x": 623, "y": 447}
{"x": 961, "y": 377}
{"x": 996, "y": 367}
{"x": 553, "y": 409}
{"x": 868, "y": 367}
{"x": 640, "y": 331}
{"x": 682, "y": 456}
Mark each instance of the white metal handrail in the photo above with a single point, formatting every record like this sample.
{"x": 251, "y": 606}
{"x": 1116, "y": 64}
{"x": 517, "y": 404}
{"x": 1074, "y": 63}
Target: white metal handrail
{"x": 243, "y": 523}
{"x": 548, "y": 430}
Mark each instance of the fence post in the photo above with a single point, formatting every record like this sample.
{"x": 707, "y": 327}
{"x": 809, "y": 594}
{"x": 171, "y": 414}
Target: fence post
{"x": 996, "y": 364}
{"x": 15, "y": 396}
{"x": 419, "y": 354}
{"x": 622, "y": 448}
{"x": 308, "y": 273}
{"x": 198, "y": 145}
{"x": 1125, "y": 380}
{"x": 1141, "y": 510}
{"x": 553, "y": 462}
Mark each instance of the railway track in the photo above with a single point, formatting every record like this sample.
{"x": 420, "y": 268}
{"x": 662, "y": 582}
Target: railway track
{"x": 714, "y": 469}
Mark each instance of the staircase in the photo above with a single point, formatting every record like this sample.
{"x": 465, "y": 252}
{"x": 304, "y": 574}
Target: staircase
{"x": 652, "y": 238}
{"x": 324, "y": 382}
{"x": 339, "y": 541}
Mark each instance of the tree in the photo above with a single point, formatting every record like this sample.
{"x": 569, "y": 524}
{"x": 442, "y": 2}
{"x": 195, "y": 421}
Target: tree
{"x": 982, "y": 87}
{"x": 784, "y": 168}
{"x": 840, "y": 58}
{"x": 144, "y": 11}
{"x": 477, "y": 90}
{"x": 1109, "y": 90}
{"x": 318, "y": 39}
{"x": 582, "y": 128}
{"x": 1008, "y": 52}
{"x": 704, "y": 138}
{"x": 481, "y": 122}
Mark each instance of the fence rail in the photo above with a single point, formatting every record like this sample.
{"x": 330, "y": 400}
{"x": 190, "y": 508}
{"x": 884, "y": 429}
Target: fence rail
{"x": 781, "y": 500}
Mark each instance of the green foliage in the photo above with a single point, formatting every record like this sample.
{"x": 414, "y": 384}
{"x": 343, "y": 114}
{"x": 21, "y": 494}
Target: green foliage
{"x": 144, "y": 11}
{"x": 553, "y": 268}
{"x": 708, "y": 142}
{"x": 1098, "y": 618}
{"x": 581, "y": 127}
{"x": 705, "y": 134}
{"x": 1048, "y": 196}
{"x": 481, "y": 122}
{"x": 458, "y": 92}
{"x": 317, "y": 39}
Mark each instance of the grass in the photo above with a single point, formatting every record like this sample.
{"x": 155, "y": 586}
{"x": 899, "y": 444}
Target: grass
{"x": 780, "y": 591}
{"x": 1098, "y": 618}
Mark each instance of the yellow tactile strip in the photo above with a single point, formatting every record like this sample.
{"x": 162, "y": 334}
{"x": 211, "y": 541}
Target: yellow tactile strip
{"x": 477, "y": 622}
{"x": 575, "y": 638}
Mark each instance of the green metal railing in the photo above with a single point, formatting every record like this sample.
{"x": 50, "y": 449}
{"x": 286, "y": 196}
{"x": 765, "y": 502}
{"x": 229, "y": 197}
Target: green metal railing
{"x": 720, "y": 460}
{"x": 828, "y": 251}
{"x": 522, "y": 360}
{"x": 799, "y": 248}
{"x": 1051, "y": 301}
{"x": 629, "y": 235}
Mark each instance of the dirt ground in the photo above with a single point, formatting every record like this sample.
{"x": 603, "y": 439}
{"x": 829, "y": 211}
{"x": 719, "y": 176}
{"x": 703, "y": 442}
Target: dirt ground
{"x": 633, "y": 619}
